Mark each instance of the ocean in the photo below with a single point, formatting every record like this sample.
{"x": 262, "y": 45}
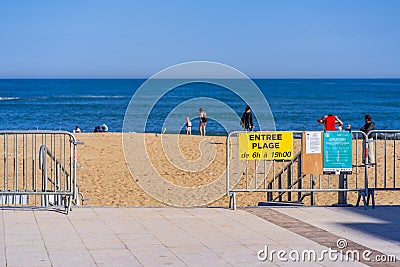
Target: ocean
{"x": 60, "y": 104}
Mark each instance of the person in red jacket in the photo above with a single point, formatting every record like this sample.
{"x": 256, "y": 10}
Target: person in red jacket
{"x": 330, "y": 122}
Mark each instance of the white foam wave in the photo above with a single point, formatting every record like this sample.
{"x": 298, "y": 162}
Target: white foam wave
{"x": 94, "y": 96}
{"x": 101, "y": 96}
{"x": 8, "y": 98}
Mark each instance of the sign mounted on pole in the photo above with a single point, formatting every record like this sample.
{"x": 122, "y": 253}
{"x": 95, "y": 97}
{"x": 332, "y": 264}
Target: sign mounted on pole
{"x": 266, "y": 145}
{"x": 337, "y": 152}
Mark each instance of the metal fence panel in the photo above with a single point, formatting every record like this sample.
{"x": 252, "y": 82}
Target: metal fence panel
{"x": 384, "y": 174}
{"x": 283, "y": 180}
{"x": 39, "y": 168}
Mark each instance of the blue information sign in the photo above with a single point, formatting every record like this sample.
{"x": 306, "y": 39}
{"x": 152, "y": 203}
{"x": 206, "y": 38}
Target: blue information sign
{"x": 337, "y": 152}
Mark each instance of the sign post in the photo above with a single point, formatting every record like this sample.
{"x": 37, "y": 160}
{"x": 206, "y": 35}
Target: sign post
{"x": 342, "y": 196}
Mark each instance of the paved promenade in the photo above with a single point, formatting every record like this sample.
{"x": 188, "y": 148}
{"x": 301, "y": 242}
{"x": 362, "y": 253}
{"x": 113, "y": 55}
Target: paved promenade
{"x": 199, "y": 236}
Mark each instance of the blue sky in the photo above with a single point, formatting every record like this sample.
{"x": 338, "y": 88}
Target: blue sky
{"x": 272, "y": 39}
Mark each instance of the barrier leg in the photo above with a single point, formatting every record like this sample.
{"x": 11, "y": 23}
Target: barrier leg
{"x": 373, "y": 198}
{"x": 361, "y": 194}
{"x": 364, "y": 201}
{"x": 280, "y": 187}
{"x": 312, "y": 192}
{"x": 68, "y": 204}
{"x": 232, "y": 201}
{"x": 358, "y": 199}
{"x": 269, "y": 194}
{"x": 371, "y": 195}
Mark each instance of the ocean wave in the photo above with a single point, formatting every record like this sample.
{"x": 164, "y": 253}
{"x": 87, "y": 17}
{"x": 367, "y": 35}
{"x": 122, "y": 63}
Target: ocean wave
{"x": 83, "y": 97}
{"x": 4, "y": 98}
{"x": 34, "y": 98}
{"x": 97, "y": 96}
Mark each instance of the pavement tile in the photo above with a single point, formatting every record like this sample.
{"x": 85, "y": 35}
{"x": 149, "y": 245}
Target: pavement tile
{"x": 93, "y": 243}
{"x": 114, "y": 257}
{"x": 202, "y": 259}
{"x": 27, "y": 258}
{"x": 158, "y": 258}
{"x": 72, "y": 258}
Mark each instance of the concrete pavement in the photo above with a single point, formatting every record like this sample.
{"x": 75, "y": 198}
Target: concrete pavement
{"x": 109, "y": 236}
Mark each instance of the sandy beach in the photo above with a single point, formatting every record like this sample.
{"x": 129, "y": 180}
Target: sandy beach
{"x": 105, "y": 179}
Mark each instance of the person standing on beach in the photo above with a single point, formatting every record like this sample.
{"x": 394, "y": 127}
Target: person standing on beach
{"x": 188, "y": 126}
{"x": 367, "y": 127}
{"x": 329, "y": 121}
{"x": 203, "y": 122}
{"x": 247, "y": 120}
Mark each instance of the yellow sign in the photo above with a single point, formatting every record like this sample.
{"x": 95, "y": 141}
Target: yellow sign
{"x": 265, "y": 145}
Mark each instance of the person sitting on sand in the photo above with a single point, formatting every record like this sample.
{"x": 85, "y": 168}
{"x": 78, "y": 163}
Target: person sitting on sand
{"x": 188, "y": 126}
{"x": 104, "y": 128}
{"x": 77, "y": 130}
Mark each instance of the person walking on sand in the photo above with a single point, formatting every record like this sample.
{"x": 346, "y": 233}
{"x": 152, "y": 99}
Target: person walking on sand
{"x": 329, "y": 121}
{"x": 367, "y": 127}
{"x": 188, "y": 126}
{"x": 203, "y": 122}
{"x": 247, "y": 120}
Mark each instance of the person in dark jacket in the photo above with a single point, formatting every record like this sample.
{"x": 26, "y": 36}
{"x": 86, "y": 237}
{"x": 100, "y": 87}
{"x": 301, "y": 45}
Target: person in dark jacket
{"x": 367, "y": 127}
{"x": 97, "y": 129}
{"x": 247, "y": 120}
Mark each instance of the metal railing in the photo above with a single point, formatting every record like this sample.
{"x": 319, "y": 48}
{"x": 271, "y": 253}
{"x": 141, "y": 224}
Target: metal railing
{"x": 385, "y": 170}
{"x": 39, "y": 169}
{"x": 384, "y": 163}
{"x": 280, "y": 179}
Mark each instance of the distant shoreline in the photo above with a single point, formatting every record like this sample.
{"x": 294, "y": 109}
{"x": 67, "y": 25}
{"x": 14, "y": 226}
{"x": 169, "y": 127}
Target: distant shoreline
{"x": 252, "y": 78}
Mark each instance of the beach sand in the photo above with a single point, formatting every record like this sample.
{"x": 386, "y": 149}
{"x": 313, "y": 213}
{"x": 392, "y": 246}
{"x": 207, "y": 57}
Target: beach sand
{"x": 192, "y": 163}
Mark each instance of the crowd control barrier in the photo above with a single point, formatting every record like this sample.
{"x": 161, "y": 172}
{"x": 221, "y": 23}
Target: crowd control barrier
{"x": 384, "y": 162}
{"x": 39, "y": 169}
{"x": 284, "y": 174}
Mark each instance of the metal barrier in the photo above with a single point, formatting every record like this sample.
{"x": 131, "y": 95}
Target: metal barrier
{"x": 384, "y": 151}
{"x": 39, "y": 169}
{"x": 281, "y": 179}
